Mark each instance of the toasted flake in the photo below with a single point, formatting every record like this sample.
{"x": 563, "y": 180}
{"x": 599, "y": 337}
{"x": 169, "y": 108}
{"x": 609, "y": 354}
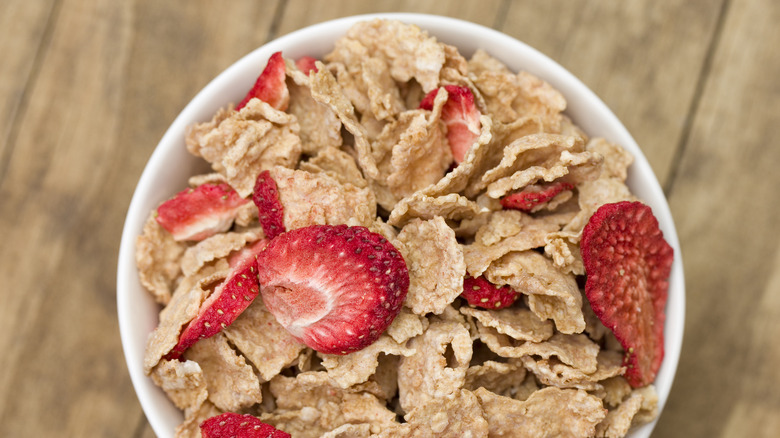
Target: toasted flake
{"x": 263, "y": 341}
{"x": 321, "y": 407}
{"x": 574, "y": 350}
{"x": 530, "y": 233}
{"x": 232, "y": 384}
{"x": 408, "y": 51}
{"x": 320, "y": 127}
{"x": 501, "y": 224}
{"x": 435, "y": 262}
{"x": 548, "y": 412}
{"x": 350, "y": 369}
{"x": 411, "y": 154}
{"x": 190, "y": 427}
{"x": 618, "y": 420}
{"x": 616, "y": 159}
{"x": 453, "y": 206}
{"x": 497, "y": 377}
{"x": 157, "y": 257}
{"x": 430, "y": 373}
{"x": 552, "y": 294}
{"x": 327, "y": 91}
{"x": 407, "y": 325}
{"x": 337, "y": 164}
{"x": 182, "y": 382}
{"x": 555, "y": 373}
{"x": 517, "y": 322}
{"x": 458, "y": 414}
{"x": 316, "y": 198}
{"x": 615, "y": 390}
{"x": 182, "y": 308}
{"x": 562, "y": 247}
{"x": 349, "y": 430}
{"x": 215, "y": 247}
{"x": 242, "y": 144}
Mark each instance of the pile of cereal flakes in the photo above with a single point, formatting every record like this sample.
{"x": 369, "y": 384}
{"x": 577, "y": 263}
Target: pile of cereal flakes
{"x": 347, "y": 141}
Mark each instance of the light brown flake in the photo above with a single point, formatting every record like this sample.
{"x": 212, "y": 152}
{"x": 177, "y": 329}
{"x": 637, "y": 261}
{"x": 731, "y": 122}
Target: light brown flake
{"x": 516, "y": 322}
{"x": 241, "y": 144}
{"x": 548, "y": 412}
{"x": 157, "y": 257}
{"x": 320, "y": 127}
{"x": 351, "y": 369}
{"x": 435, "y": 262}
{"x": 337, "y": 164}
{"x": 438, "y": 367}
{"x": 551, "y": 293}
{"x": 316, "y": 198}
{"x": 190, "y": 427}
{"x": 232, "y": 383}
{"x": 182, "y": 382}
{"x": 501, "y": 378}
{"x": 215, "y": 247}
{"x": 455, "y": 415}
{"x": 263, "y": 341}
{"x": 407, "y": 325}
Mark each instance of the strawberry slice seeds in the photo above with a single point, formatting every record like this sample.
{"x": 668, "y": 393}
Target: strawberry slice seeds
{"x": 534, "y": 195}
{"x": 269, "y": 208}
{"x": 627, "y": 262}
{"x": 195, "y": 214}
{"x": 479, "y": 292}
{"x": 334, "y": 288}
{"x": 461, "y": 116}
{"x": 232, "y": 425}
{"x": 270, "y": 86}
{"x": 229, "y": 299}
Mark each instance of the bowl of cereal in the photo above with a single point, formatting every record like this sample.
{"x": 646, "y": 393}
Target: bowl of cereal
{"x": 399, "y": 224}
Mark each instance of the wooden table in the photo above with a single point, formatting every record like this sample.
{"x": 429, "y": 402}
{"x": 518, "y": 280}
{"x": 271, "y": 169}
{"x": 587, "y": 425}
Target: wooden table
{"x": 87, "y": 88}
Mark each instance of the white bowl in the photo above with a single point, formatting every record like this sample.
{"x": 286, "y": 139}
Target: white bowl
{"x": 170, "y": 165}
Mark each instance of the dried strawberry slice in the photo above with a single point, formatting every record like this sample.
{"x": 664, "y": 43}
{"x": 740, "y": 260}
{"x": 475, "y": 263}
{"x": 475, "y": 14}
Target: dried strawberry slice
{"x": 306, "y": 64}
{"x": 479, "y": 292}
{"x": 461, "y": 116}
{"x": 334, "y": 288}
{"x": 270, "y": 86}
{"x": 232, "y": 425}
{"x": 229, "y": 299}
{"x": 534, "y": 195}
{"x": 195, "y": 214}
{"x": 269, "y": 208}
{"x": 627, "y": 262}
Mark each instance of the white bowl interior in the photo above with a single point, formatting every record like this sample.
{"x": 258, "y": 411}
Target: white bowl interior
{"x": 138, "y": 312}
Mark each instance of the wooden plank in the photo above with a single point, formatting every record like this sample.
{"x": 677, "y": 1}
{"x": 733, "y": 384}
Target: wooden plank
{"x": 643, "y": 58}
{"x": 111, "y": 80}
{"x": 301, "y": 13}
{"x": 22, "y": 30}
{"x": 725, "y": 204}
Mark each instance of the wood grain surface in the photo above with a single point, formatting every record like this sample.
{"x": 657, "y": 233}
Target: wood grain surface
{"x": 87, "y": 88}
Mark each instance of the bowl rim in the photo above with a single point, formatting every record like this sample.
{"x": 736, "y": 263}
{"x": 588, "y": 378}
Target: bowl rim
{"x": 590, "y": 112}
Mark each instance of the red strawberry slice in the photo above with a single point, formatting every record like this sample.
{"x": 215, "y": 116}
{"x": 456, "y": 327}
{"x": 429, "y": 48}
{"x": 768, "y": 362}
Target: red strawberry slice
{"x": 334, "y": 288}
{"x": 461, "y": 116}
{"x": 307, "y": 64}
{"x": 195, "y": 214}
{"x": 479, "y": 292}
{"x": 534, "y": 195}
{"x": 269, "y": 208}
{"x": 232, "y": 425}
{"x": 226, "y": 303}
{"x": 627, "y": 262}
{"x": 270, "y": 86}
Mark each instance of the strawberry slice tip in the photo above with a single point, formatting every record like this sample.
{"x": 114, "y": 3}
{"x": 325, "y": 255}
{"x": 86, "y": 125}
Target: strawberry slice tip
{"x": 479, "y": 292}
{"x": 270, "y": 211}
{"x": 534, "y": 195}
{"x": 270, "y": 86}
{"x": 229, "y": 299}
{"x": 627, "y": 263}
{"x": 306, "y": 64}
{"x": 232, "y": 425}
{"x": 195, "y": 214}
{"x": 461, "y": 116}
{"x": 334, "y": 288}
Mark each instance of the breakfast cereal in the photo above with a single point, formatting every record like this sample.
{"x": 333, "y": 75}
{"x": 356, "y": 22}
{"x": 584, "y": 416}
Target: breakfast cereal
{"x": 384, "y": 177}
